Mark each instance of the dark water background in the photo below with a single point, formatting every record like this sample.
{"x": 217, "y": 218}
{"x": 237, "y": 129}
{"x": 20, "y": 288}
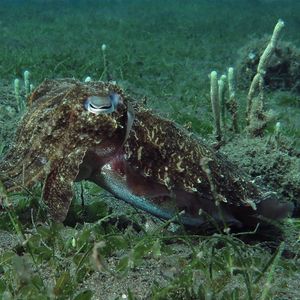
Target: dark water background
{"x": 202, "y": 35}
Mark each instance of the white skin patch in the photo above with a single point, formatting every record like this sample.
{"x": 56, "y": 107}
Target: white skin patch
{"x": 139, "y": 153}
{"x": 167, "y": 180}
{"x": 178, "y": 165}
{"x": 106, "y": 167}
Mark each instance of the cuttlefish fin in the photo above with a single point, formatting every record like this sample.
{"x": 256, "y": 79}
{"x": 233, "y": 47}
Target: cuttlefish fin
{"x": 58, "y": 188}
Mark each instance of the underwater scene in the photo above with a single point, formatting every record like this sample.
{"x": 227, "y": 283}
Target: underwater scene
{"x": 150, "y": 149}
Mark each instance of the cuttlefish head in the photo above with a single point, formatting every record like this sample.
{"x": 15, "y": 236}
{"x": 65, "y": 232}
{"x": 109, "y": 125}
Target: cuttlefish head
{"x": 65, "y": 119}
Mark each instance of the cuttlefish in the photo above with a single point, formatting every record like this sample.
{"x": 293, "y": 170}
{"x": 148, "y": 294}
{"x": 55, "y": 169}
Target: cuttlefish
{"x": 94, "y": 131}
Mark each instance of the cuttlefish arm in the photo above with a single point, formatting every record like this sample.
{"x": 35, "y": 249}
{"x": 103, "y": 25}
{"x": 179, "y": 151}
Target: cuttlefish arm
{"x": 58, "y": 188}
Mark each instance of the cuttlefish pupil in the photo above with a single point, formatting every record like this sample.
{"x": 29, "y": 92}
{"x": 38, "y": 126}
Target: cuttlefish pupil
{"x": 102, "y": 104}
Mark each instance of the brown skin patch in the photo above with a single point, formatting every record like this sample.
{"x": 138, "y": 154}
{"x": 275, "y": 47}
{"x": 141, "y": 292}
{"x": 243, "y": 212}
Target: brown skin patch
{"x": 172, "y": 156}
{"x": 53, "y": 137}
{"x": 58, "y": 192}
{"x": 59, "y": 141}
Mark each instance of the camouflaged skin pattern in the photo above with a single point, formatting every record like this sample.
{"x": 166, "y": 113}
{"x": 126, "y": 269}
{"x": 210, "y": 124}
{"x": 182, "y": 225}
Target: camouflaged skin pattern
{"x": 53, "y": 137}
{"x": 56, "y": 132}
{"x": 176, "y": 158}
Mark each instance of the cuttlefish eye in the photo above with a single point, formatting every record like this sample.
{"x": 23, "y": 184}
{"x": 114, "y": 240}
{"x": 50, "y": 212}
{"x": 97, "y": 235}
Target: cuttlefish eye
{"x": 102, "y": 104}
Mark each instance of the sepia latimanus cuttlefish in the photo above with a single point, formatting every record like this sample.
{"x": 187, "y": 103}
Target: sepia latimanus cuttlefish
{"x": 93, "y": 131}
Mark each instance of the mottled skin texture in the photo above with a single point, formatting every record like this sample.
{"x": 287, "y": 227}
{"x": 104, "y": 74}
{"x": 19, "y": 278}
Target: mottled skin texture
{"x": 53, "y": 138}
{"x": 59, "y": 141}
